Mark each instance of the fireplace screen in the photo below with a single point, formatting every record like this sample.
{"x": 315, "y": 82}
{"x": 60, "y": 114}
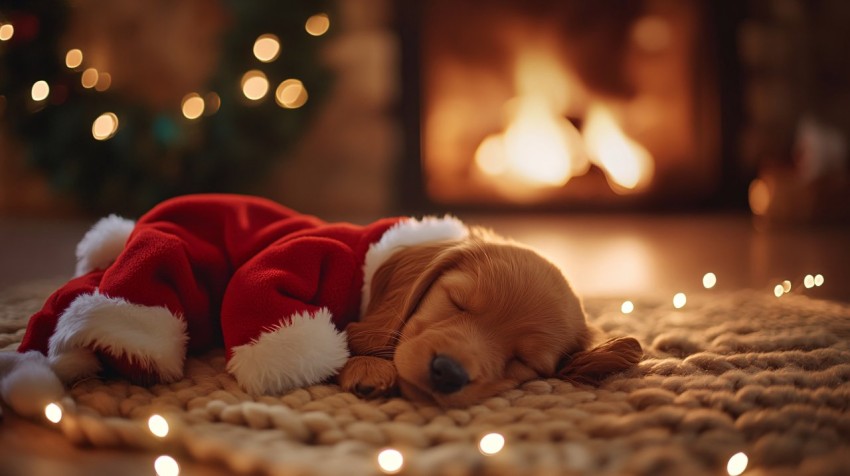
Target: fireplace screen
{"x": 566, "y": 103}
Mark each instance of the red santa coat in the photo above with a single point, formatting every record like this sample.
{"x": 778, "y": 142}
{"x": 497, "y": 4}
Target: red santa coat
{"x": 277, "y": 288}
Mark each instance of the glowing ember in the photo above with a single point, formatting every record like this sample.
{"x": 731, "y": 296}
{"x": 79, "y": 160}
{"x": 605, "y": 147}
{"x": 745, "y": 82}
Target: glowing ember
{"x": 627, "y": 165}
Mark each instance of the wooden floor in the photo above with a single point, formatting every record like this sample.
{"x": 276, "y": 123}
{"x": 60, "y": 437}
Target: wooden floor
{"x": 624, "y": 256}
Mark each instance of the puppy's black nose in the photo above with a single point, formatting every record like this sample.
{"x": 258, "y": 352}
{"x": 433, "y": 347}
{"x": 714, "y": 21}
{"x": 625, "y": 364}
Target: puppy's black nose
{"x": 447, "y": 375}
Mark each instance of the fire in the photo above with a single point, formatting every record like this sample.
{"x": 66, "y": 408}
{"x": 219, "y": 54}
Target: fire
{"x": 538, "y": 148}
{"x": 627, "y": 165}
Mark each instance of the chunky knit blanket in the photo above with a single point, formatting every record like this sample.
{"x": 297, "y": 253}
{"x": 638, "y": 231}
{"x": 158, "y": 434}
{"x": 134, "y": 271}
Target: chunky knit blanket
{"x": 744, "y": 372}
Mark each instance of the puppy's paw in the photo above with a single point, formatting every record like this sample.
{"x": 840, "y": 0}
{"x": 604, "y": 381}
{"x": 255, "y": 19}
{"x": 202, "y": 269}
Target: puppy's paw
{"x": 368, "y": 377}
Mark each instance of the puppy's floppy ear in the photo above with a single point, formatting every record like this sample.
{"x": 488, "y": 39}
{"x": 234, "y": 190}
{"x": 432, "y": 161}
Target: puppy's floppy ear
{"x": 397, "y": 287}
{"x": 594, "y": 365}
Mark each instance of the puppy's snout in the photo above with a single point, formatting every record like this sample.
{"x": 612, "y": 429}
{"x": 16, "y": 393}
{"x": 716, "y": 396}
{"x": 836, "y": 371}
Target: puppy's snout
{"x": 447, "y": 375}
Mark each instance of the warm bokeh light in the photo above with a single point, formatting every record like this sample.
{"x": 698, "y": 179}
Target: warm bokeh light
{"x": 105, "y": 126}
{"x": 104, "y": 81}
{"x": 709, "y": 280}
{"x": 40, "y": 90}
{"x": 390, "y": 461}
{"x": 212, "y": 103}
{"x": 291, "y": 94}
{"x": 627, "y": 164}
{"x": 679, "y": 300}
{"x": 53, "y": 412}
{"x": 89, "y": 78}
{"x": 193, "y": 106}
{"x": 6, "y": 32}
{"x": 818, "y": 280}
{"x": 778, "y": 290}
{"x": 267, "y": 48}
{"x": 255, "y": 85}
{"x": 759, "y": 195}
{"x": 491, "y": 443}
{"x": 737, "y": 464}
{"x": 73, "y": 58}
{"x": 166, "y": 466}
{"x": 809, "y": 281}
{"x": 786, "y": 286}
{"x": 158, "y": 426}
{"x": 317, "y": 25}
{"x": 627, "y": 307}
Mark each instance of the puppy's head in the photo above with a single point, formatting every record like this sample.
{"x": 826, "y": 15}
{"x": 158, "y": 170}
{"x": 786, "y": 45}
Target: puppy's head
{"x": 466, "y": 320}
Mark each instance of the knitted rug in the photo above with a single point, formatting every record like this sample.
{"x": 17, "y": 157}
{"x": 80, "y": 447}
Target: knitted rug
{"x": 728, "y": 373}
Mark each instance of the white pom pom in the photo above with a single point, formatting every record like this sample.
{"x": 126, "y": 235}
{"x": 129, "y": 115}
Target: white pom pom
{"x": 27, "y": 384}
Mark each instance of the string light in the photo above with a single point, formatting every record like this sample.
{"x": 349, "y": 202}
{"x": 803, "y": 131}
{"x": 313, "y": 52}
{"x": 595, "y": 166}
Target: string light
{"x": 166, "y": 466}
{"x": 709, "y": 280}
{"x": 627, "y": 307}
{"x": 291, "y": 94}
{"x": 390, "y": 461}
{"x": 737, "y": 464}
{"x": 89, "y": 78}
{"x": 778, "y": 290}
{"x": 679, "y": 300}
{"x": 6, "y": 32}
{"x": 193, "y": 106}
{"x": 73, "y": 58}
{"x": 491, "y": 443}
{"x": 317, "y": 25}
{"x": 818, "y": 280}
{"x": 786, "y": 286}
{"x": 158, "y": 426}
{"x": 53, "y": 412}
{"x": 267, "y": 48}
{"x": 255, "y": 85}
{"x": 809, "y": 281}
{"x": 105, "y": 126}
{"x": 40, "y": 90}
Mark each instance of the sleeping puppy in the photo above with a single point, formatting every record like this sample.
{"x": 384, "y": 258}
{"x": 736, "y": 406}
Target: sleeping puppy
{"x": 457, "y": 322}
{"x": 446, "y": 314}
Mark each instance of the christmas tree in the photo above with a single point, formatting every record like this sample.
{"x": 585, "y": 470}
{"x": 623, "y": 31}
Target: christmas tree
{"x": 127, "y": 102}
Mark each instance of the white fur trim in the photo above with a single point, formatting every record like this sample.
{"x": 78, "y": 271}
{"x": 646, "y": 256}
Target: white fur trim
{"x": 408, "y": 232}
{"x": 304, "y": 352}
{"x": 27, "y": 383}
{"x": 103, "y": 243}
{"x": 150, "y": 336}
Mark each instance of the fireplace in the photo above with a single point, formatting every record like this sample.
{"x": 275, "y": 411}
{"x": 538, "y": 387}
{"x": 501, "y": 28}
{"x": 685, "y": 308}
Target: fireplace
{"x": 551, "y": 104}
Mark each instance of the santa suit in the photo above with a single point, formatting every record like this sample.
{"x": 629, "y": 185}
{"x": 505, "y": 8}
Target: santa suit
{"x": 275, "y": 287}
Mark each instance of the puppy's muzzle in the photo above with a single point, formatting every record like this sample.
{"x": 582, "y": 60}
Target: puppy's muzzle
{"x": 447, "y": 375}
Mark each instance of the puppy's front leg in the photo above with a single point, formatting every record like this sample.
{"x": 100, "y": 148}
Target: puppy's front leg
{"x": 368, "y": 377}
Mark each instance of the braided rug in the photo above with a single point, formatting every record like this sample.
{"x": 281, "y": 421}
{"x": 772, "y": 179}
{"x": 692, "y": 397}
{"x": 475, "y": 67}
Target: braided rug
{"x": 742, "y": 372}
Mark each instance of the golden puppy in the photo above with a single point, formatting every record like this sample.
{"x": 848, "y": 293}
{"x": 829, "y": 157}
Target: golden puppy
{"x": 455, "y": 323}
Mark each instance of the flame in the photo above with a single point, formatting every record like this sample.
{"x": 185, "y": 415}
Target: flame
{"x": 538, "y": 148}
{"x": 627, "y": 165}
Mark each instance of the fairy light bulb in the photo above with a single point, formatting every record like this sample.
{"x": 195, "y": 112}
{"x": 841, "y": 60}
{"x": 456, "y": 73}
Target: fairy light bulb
{"x": 158, "y": 426}
{"x": 193, "y": 106}
{"x": 709, "y": 280}
{"x": 737, "y": 464}
{"x": 818, "y": 280}
{"x": 291, "y": 94}
{"x": 267, "y": 48}
{"x": 317, "y": 25}
{"x": 809, "y": 281}
{"x": 778, "y": 290}
{"x": 73, "y": 58}
{"x": 390, "y": 461}
{"x": 53, "y": 412}
{"x": 786, "y": 286}
{"x": 254, "y": 85}
{"x": 166, "y": 466}
{"x": 105, "y": 126}
{"x": 6, "y": 32}
{"x": 40, "y": 90}
{"x": 627, "y": 307}
{"x": 679, "y": 300}
{"x": 89, "y": 78}
{"x": 491, "y": 443}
